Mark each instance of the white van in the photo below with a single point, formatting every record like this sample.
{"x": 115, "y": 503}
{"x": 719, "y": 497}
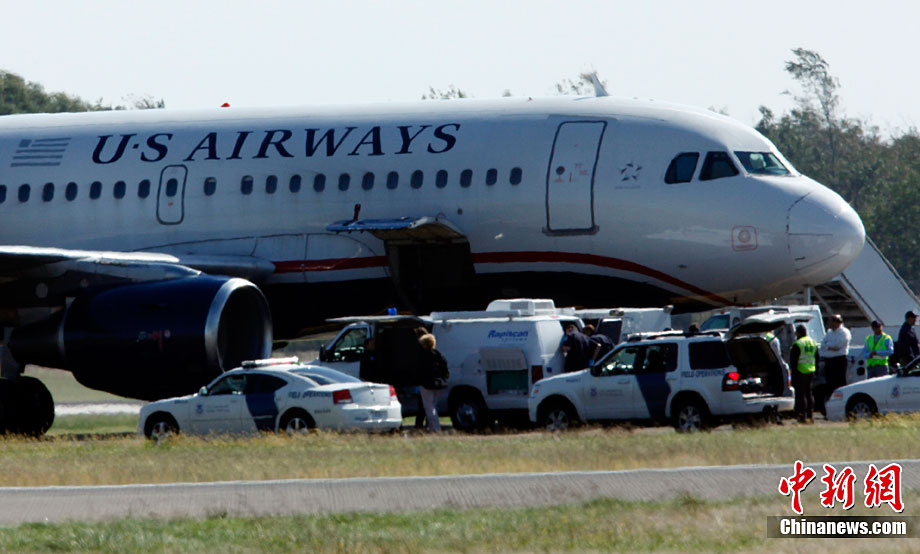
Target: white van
{"x": 495, "y": 356}
{"x": 619, "y": 323}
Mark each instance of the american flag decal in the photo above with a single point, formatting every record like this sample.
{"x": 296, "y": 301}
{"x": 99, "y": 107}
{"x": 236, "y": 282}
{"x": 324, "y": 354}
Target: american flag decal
{"x": 44, "y": 152}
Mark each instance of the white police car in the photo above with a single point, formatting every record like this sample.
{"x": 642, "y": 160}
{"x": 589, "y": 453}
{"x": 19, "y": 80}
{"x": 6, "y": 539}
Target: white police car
{"x": 691, "y": 381}
{"x": 890, "y": 393}
{"x": 275, "y": 395}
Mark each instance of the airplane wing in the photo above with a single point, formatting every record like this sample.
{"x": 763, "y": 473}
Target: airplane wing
{"x": 32, "y": 275}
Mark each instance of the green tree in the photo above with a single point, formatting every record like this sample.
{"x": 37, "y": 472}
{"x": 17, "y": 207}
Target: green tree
{"x": 20, "y": 96}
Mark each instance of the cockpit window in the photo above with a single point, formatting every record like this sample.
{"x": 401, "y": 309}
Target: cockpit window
{"x": 762, "y": 163}
{"x": 682, "y": 168}
{"x": 716, "y": 166}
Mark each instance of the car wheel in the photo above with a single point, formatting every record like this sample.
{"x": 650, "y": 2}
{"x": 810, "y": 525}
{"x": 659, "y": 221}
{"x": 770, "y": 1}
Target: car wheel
{"x": 297, "y": 422}
{"x": 558, "y": 416}
{"x": 160, "y": 426}
{"x": 469, "y": 413}
{"x": 691, "y": 416}
{"x": 861, "y": 407}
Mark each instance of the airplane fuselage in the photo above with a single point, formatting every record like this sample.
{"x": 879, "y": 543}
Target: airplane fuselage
{"x": 563, "y": 198}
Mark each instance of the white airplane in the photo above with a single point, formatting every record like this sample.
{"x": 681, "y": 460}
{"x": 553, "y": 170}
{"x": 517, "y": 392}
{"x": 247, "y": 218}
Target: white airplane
{"x": 147, "y": 251}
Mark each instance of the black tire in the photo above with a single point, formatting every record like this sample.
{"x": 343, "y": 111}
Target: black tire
{"x": 296, "y": 422}
{"x": 468, "y": 412}
{"x": 34, "y": 407}
{"x": 557, "y": 415}
{"x": 861, "y": 407}
{"x": 690, "y": 415}
{"x": 160, "y": 426}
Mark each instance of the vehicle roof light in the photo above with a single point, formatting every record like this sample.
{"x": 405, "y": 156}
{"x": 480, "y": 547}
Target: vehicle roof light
{"x": 250, "y": 364}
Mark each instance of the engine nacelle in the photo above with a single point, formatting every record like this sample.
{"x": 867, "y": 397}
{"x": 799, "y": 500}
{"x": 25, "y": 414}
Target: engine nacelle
{"x": 152, "y": 340}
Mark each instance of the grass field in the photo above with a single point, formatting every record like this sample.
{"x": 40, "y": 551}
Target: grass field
{"x": 682, "y": 525}
{"x": 60, "y": 460}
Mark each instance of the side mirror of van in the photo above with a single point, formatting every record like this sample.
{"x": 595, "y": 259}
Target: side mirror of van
{"x": 322, "y": 354}
{"x": 596, "y": 370}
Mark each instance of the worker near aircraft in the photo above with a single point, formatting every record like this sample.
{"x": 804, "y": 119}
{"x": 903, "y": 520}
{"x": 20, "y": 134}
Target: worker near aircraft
{"x": 803, "y": 360}
{"x": 879, "y": 347}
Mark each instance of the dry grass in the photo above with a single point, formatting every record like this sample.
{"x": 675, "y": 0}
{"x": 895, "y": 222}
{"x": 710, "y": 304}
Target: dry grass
{"x": 131, "y": 459}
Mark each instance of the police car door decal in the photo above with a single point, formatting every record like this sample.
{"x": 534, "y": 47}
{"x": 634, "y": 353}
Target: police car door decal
{"x": 171, "y": 195}
{"x": 570, "y": 178}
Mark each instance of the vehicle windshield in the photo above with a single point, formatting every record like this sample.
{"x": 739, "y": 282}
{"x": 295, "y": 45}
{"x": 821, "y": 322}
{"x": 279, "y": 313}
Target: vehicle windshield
{"x": 716, "y": 322}
{"x": 761, "y": 163}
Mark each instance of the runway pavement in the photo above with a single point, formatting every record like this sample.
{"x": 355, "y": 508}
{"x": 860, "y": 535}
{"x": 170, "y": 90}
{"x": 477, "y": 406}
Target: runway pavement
{"x": 311, "y": 496}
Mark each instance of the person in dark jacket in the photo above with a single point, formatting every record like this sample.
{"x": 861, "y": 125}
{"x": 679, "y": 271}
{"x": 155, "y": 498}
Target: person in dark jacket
{"x": 576, "y": 349}
{"x": 433, "y": 376}
{"x": 908, "y": 346}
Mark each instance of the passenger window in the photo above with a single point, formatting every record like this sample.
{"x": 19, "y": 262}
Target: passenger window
{"x": 344, "y": 181}
{"x": 392, "y": 180}
{"x": 716, "y": 166}
{"x": 620, "y": 361}
{"x": 119, "y": 190}
{"x": 660, "y": 358}
{"x": 294, "y": 185}
{"x": 440, "y": 179}
{"x": 246, "y": 185}
{"x": 95, "y": 190}
{"x": 682, "y": 168}
{"x": 466, "y": 178}
{"x": 2, "y": 194}
{"x": 708, "y": 355}
{"x": 350, "y": 347}
{"x": 516, "y": 175}
{"x": 761, "y": 163}
{"x": 258, "y": 383}
{"x": 24, "y": 192}
{"x": 231, "y": 384}
{"x": 491, "y": 177}
{"x": 417, "y": 178}
{"x": 367, "y": 182}
{"x": 172, "y": 187}
{"x": 271, "y": 184}
{"x": 143, "y": 189}
{"x": 70, "y": 192}
{"x": 210, "y": 186}
{"x": 48, "y": 192}
{"x": 319, "y": 182}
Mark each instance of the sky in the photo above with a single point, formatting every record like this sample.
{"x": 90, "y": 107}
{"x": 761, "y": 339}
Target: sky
{"x": 713, "y": 54}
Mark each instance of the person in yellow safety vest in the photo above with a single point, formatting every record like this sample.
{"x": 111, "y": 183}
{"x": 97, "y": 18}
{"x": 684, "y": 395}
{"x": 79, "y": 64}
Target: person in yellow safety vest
{"x": 878, "y": 347}
{"x": 803, "y": 359}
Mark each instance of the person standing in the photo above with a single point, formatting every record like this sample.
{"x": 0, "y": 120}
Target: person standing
{"x": 908, "y": 345}
{"x": 803, "y": 359}
{"x": 576, "y": 348}
{"x": 834, "y": 348}
{"x": 878, "y": 348}
{"x": 434, "y": 376}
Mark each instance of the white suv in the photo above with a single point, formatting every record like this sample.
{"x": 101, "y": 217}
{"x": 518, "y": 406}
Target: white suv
{"x": 691, "y": 381}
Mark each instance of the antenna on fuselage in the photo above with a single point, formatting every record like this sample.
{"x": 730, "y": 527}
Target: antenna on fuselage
{"x": 599, "y": 89}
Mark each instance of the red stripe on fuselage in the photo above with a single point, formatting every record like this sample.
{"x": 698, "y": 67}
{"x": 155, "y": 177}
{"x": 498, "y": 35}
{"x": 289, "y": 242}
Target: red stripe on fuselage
{"x": 506, "y": 258}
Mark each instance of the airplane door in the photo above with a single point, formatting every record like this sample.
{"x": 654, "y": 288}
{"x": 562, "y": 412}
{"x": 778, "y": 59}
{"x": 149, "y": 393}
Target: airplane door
{"x": 570, "y": 178}
{"x": 171, "y": 196}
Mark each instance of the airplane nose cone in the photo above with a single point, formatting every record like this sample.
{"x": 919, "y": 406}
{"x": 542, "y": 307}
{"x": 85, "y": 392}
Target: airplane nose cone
{"x": 825, "y": 234}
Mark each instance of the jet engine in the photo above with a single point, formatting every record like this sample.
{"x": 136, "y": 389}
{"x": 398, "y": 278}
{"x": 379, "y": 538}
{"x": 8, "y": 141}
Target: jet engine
{"x": 152, "y": 340}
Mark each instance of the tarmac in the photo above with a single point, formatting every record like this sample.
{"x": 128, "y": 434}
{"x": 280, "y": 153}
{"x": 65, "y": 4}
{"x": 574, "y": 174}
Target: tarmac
{"x": 403, "y": 494}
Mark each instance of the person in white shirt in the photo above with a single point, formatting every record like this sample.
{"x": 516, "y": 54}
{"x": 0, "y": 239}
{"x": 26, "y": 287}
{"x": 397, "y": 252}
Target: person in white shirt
{"x": 834, "y": 348}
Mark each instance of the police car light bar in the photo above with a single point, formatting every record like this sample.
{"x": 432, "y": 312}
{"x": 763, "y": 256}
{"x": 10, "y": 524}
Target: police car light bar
{"x": 249, "y": 364}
